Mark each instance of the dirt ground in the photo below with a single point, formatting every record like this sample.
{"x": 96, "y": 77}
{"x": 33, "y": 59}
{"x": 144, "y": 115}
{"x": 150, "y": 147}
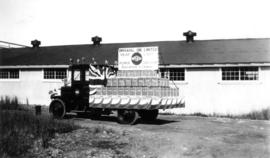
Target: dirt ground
{"x": 174, "y": 136}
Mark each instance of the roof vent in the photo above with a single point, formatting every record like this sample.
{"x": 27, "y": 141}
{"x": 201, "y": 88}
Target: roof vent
{"x": 189, "y": 36}
{"x": 96, "y": 40}
{"x": 35, "y": 43}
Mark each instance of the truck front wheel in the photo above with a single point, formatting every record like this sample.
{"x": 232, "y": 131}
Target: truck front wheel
{"x": 57, "y": 108}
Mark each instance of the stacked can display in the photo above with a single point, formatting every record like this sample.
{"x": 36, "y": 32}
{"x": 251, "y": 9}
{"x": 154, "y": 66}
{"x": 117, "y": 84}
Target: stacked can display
{"x": 138, "y": 83}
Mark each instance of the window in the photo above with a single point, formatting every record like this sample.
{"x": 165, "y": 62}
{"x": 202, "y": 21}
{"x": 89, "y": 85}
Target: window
{"x": 9, "y": 73}
{"x": 174, "y": 74}
{"x": 77, "y": 75}
{"x": 230, "y": 73}
{"x": 249, "y": 73}
{"x": 55, "y": 73}
{"x": 240, "y": 73}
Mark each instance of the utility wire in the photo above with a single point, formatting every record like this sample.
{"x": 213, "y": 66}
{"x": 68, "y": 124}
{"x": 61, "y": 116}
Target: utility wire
{"x": 16, "y": 44}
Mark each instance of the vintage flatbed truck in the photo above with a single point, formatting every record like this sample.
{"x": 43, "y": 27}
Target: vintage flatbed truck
{"x": 133, "y": 94}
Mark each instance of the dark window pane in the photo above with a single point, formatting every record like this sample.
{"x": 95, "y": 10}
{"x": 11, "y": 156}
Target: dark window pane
{"x": 242, "y": 73}
{"x": 9, "y": 73}
{"x": 54, "y": 73}
{"x": 249, "y": 73}
{"x": 174, "y": 74}
{"x": 230, "y": 73}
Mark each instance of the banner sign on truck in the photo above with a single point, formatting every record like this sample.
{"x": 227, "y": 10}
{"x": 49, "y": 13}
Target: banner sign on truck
{"x": 138, "y": 58}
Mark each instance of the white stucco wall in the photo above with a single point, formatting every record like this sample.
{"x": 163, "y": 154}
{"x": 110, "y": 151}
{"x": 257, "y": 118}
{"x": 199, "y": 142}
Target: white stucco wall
{"x": 203, "y": 90}
{"x": 30, "y": 86}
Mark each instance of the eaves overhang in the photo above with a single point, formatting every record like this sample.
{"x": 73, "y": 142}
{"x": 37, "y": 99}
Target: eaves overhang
{"x": 32, "y": 66}
{"x": 212, "y": 65}
{"x": 161, "y": 66}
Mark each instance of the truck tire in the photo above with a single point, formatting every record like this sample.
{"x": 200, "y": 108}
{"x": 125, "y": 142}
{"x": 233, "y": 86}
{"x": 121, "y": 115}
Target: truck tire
{"x": 57, "y": 108}
{"x": 148, "y": 115}
{"x": 127, "y": 116}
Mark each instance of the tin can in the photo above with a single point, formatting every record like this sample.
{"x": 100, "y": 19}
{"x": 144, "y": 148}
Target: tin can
{"x": 109, "y": 90}
{"x": 134, "y": 82}
{"x": 128, "y": 82}
{"x": 141, "y": 82}
{"x": 114, "y": 82}
{"x": 150, "y": 91}
{"x": 121, "y": 82}
{"x": 104, "y": 91}
{"x": 109, "y": 82}
{"x": 154, "y": 82}
{"x": 138, "y": 91}
{"x": 126, "y": 90}
{"x": 114, "y": 91}
{"x": 120, "y": 90}
{"x": 132, "y": 91}
{"x": 148, "y": 82}
{"x": 144, "y": 91}
{"x": 99, "y": 91}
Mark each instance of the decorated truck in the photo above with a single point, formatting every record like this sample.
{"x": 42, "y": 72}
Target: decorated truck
{"x": 100, "y": 89}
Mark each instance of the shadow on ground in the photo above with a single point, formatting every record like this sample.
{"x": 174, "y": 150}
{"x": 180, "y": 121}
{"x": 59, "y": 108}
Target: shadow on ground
{"x": 114, "y": 119}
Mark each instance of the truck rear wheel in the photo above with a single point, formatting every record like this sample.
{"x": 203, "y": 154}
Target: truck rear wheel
{"x": 127, "y": 116}
{"x": 148, "y": 115}
{"x": 57, "y": 108}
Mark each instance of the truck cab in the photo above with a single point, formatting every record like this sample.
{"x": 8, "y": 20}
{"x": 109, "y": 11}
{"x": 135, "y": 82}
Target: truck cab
{"x": 74, "y": 95}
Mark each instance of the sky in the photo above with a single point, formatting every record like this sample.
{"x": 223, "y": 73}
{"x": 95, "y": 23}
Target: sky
{"x": 65, "y": 22}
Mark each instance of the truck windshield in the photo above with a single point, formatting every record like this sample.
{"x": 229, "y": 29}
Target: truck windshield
{"x": 77, "y": 75}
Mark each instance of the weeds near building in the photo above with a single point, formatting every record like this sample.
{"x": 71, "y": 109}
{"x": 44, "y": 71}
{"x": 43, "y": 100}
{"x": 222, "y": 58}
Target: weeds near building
{"x": 20, "y": 128}
{"x": 9, "y": 103}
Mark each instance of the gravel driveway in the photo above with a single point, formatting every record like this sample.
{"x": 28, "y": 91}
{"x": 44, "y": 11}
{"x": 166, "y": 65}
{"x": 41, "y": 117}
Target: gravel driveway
{"x": 176, "y": 136}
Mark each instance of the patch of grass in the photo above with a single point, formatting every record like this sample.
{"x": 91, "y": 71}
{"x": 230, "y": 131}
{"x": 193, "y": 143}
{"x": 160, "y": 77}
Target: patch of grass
{"x": 12, "y": 103}
{"x": 20, "y": 128}
{"x": 263, "y": 114}
{"x": 9, "y": 103}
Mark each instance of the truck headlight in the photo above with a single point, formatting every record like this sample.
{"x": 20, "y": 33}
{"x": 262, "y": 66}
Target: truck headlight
{"x": 77, "y": 92}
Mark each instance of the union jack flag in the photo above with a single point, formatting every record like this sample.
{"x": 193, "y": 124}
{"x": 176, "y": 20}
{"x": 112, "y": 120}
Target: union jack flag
{"x": 101, "y": 72}
{"x": 98, "y": 74}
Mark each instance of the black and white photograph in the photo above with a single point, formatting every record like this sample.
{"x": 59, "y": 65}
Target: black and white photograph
{"x": 134, "y": 79}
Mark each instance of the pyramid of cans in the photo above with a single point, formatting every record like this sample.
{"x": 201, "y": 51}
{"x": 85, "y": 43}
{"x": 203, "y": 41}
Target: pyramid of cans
{"x": 138, "y": 83}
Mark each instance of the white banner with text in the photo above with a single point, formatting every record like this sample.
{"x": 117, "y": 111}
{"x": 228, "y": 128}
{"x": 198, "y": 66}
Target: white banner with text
{"x": 138, "y": 58}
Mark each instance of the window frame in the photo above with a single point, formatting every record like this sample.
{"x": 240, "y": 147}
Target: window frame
{"x": 177, "y": 74}
{"x": 253, "y": 74}
{"x": 55, "y": 76}
{"x": 9, "y": 71}
{"x": 239, "y": 72}
{"x": 239, "y": 81}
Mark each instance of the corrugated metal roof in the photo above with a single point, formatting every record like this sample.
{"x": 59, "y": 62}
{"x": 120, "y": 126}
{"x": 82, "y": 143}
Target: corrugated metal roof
{"x": 171, "y": 52}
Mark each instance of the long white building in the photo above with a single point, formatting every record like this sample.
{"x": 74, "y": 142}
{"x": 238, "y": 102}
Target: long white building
{"x": 215, "y": 76}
